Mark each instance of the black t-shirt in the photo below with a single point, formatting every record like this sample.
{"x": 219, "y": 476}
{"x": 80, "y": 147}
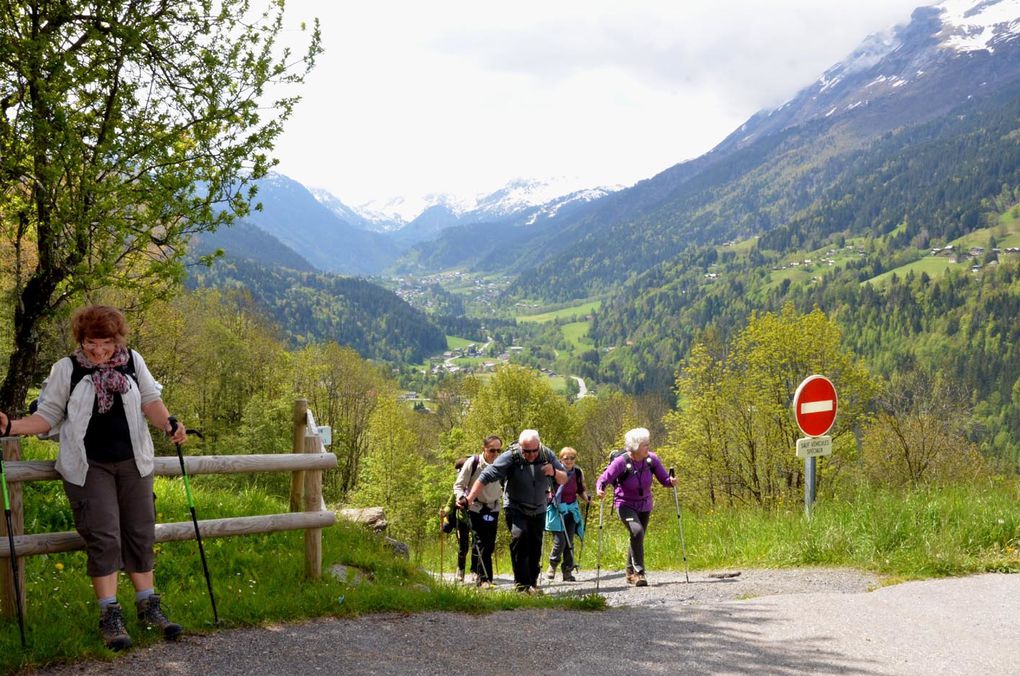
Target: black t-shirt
{"x": 108, "y": 438}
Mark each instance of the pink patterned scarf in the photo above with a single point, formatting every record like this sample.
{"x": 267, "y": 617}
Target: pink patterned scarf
{"x": 106, "y": 379}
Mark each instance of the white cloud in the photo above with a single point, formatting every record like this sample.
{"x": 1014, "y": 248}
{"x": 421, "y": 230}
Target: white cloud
{"x": 460, "y": 97}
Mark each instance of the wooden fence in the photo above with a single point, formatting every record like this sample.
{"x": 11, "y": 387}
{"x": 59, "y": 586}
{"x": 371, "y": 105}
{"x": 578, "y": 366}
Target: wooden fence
{"x": 308, "y": 512}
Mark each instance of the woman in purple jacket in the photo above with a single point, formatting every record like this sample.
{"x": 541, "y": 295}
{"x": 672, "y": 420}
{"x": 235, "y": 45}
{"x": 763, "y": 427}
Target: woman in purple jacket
{"x": 631, "y": 473}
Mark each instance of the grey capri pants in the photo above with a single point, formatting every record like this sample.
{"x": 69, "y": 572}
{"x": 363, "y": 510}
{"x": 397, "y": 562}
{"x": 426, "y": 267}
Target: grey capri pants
{"x": 115, "y": 513}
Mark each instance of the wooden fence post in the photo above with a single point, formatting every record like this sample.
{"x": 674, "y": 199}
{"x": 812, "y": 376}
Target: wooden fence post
{"x": 12, "y": 451}
{"x": 313, "y": 503}
{"x": 297, "y": 482}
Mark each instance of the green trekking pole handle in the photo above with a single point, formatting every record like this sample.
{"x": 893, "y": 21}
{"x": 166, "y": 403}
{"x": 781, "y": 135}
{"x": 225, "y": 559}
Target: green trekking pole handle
{"x": 680, "y": 521}
{"x": 10, "y": 542}
{"x": 194, "y": 519}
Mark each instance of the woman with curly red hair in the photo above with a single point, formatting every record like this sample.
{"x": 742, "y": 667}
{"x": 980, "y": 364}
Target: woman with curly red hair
{"x": 99, "y": 399}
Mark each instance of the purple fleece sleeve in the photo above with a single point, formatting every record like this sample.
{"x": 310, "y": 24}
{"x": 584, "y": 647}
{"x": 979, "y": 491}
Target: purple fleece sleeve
{"x": 614, "y": 470}
{"x": 660, "y": 470}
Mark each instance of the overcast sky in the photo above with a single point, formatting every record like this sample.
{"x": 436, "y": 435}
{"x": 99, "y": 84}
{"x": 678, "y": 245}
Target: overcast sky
{"x": 415, "y": 97}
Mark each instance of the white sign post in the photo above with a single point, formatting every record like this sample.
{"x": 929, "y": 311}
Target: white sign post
{"x": 814, "y": 406}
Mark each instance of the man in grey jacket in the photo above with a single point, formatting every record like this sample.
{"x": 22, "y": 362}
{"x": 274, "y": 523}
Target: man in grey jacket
{"x": 527, "y": 468}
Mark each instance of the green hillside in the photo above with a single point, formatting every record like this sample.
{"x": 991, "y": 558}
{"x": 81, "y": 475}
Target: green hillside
{"x": 321, "y": 307}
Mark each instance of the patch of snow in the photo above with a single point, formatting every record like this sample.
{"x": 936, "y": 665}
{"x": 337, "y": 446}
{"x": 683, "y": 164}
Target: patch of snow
{"x": 969, "y": 26}
{"x": 828, "y": 84}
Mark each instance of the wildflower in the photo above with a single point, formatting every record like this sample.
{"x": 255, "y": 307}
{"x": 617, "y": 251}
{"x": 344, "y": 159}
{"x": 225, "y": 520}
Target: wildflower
{"x": 59, "y": 566}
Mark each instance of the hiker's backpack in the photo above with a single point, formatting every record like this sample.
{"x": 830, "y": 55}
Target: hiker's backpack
{"x": 77, "y": 373}
{"x": 630, "y": 468}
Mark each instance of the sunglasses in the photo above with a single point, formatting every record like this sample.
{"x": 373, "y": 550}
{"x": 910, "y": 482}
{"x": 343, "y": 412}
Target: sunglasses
{"x": 529, "y": 450}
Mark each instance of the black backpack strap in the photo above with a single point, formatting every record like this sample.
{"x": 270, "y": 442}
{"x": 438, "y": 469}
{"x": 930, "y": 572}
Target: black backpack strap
{"x": 77, "y": 373}
{"x": 128, "y": 368}
{"x": 474, "y": 465}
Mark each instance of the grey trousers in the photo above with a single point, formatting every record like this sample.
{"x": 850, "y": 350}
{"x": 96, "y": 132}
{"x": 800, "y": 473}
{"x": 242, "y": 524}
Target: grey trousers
{"x": 637, "y": 524}
{"x": 115, "y": 513}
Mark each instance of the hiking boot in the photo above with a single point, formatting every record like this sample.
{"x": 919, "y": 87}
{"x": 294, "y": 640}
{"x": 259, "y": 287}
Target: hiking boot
{"x": 151, "y": 615}
{"x": 460, "y": 575}
{"x": 640, "y": 580}
{"x": 534, "y": 591}
{"x": 569, "y": 577}
{"x": 111, "y": 627}
{"x": 551, "y": 573}
{"x": 631, "y": 577}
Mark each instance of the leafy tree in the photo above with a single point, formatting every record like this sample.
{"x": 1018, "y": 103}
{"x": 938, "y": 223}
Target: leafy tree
{"x": 601, "y": 422}
{"x": 391, "y": 475}
{"x": 343, "y": 390}
{"x": 919, "y": 434}
{"x": 518, "y": 398}
{"x": 734, "y": 432}
{"x": 125, "y": 127}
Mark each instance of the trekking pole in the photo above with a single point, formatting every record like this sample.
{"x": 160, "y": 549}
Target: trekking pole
{"x": 680, "y": 521}
{"x": 577, "y": 562}
{"x": 442, "y": 540}
{"x": 10, "y": 543}
{"x": 194, "y": 517}
{"x": 475, "y": 541}
{"x": 566, "y": 536}
{"x": 598, "y": 554}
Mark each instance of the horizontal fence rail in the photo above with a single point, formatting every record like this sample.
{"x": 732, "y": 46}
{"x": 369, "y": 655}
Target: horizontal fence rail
{"x": 52, "y": 543}
{"x": 42, "y": 470}
{"x": 308, "y": 510}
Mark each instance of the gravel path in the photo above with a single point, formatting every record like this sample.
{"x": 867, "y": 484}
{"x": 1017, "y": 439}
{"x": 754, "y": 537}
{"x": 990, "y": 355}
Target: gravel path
{"x": 780, "y": 621}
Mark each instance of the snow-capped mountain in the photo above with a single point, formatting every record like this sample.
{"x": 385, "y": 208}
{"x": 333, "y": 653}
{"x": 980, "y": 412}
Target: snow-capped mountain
{"x": 914, "y": 71}
{"x": 403, "y": 210}
{"x": 411, "y": 220}
{"x": 523, "y": 194}
{"x": 968, "y": 27}
{"x": 376, "y": 222}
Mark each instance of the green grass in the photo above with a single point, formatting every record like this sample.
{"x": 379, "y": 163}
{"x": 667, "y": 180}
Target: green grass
{"x": 579, "y": 310}
{"x": 1006, "y": 233}
{"x": 558, "y": 383}
{"x": 576, "y": 334}
{"x": 257, "y": 579}
{"x": 472, "y": 361}
{"x": 934, "y": 266}
{"x": 918, "y": 534}
{"x": 456, "y": 342}
{"x": 924, "y": 533}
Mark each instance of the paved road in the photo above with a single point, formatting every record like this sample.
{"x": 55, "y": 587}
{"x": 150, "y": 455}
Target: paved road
{"x": 954, "y": 626}
{"x": 582, "y": 387}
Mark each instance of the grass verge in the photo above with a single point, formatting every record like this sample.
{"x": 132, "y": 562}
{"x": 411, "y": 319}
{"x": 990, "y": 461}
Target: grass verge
{"x": 257, "y": 579}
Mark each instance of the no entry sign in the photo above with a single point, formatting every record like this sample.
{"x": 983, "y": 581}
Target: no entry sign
{"x": 814, "y": 405}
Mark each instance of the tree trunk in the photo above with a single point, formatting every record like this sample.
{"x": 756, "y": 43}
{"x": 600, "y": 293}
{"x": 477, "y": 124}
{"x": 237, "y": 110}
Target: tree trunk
{"x": 28, "y": 312}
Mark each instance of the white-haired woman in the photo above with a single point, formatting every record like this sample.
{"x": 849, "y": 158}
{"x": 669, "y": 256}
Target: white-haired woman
{"x": 631, "y": 475}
